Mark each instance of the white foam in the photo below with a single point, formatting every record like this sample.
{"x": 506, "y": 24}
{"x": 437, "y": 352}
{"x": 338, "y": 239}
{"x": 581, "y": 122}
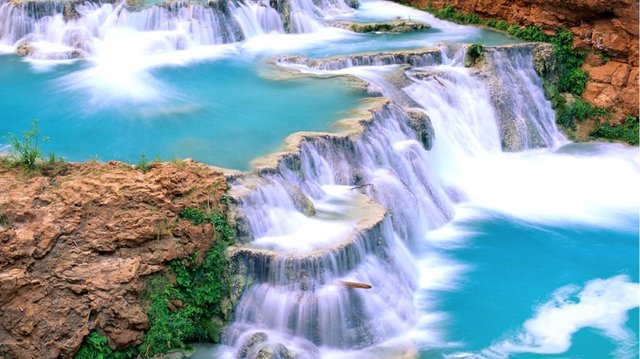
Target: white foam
{"x": 601, "y": 304}
{"x": 333, "y": 222}
{"x": 547, "y": 186}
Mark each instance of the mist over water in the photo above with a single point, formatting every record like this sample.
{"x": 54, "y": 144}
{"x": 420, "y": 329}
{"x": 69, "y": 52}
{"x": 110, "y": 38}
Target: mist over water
{"x": 476, "y": 244}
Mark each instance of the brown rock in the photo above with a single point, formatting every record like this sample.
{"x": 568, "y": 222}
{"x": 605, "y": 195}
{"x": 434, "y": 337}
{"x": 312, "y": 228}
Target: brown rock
{"x": 600, "y": 94}
{"x": 78, "y": 248}
{"x": 609, "y": 27}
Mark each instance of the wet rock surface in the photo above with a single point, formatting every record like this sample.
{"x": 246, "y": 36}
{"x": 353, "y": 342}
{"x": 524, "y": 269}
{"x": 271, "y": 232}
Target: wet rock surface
{"x": 397, "y": 26}
{"x": 78, "y": 248}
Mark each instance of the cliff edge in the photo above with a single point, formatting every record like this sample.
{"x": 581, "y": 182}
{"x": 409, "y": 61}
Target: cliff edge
{"x": 79, "y": 245}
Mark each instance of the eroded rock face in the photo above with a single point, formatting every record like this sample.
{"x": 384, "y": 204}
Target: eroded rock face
{"x": 78, "y": 247}
{"x": 609, "y": 27}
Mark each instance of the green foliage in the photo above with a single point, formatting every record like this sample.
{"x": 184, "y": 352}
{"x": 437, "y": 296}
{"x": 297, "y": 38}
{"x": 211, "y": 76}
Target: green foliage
{"x": 501, "y": 25}
{"x": 143, "y": 164}
{"x": 52, "y": 159}
{"x": 4, "y": 219}
{"x": 573, "y": 81}
{"x": 528, "y": 33}
{"x": 570, "y": 77}
{"x": 579, "y": 110}
{"x": 26, "y": 147}
{"x": 627, "y": 132}
{"x": 448, "y": 12}
{"x": 199, "y": 289}
{"x": 195, "y": 215}
{"x": 474, "y": 52}
{"x": 96, "y": 346}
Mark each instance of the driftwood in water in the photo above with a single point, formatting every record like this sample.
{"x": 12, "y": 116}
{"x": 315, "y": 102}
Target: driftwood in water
{"x": 355, "y": 285}
{"x": 438, "y": 81}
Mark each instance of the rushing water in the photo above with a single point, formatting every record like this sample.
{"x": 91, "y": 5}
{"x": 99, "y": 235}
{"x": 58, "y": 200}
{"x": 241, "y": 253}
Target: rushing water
{"x": 483, "y": 232}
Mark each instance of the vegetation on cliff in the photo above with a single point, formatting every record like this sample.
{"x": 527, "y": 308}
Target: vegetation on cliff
{"x": 565, "y": 76}
{"x": 196, "y": 303}
{"x": 27, "y": 153}
{"x": 82, "y": 242}
{"x": 190, "y": 303}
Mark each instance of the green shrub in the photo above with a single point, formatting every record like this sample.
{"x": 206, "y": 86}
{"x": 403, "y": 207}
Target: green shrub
{"x": 579, "y": 110}
{"x": 573, "y": 81}
{"x": 195, "y": 215}
{"x": 501, "y": 25}
{"x": 143, "y": 164}
{"x": 200, "y": 288}
{"x": 474, "y": 52}
{"x": 26, "y": 147}
{"x": 52, "y": 159}
{"x": 627, "y": 132}
{"x": 96, "y": 346}
{"x": 528, "y": 33}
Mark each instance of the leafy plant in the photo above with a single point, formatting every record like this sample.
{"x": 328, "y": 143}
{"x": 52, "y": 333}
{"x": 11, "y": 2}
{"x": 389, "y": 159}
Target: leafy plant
{"x": 143, "y": 164}
{"x": 501, "y": 25}
{"x": 182, "y": 312}
{"x": 96, "y": 346}
{"x": 627, "y": 132}
{"x": 26, "y": 147}
{"x": 577, "y": 111}
{"x": 474, "y": 52}
{"x": 195, "y": 215}
{"x": 528, "y": 33}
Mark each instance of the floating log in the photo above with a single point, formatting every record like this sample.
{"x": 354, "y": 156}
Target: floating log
{"x": 355, "y": 285}
{"x": 438, "y": 81}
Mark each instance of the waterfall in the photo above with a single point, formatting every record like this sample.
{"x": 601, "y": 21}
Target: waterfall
{"x": 526, "y": 117}
{"x": 173, "y": 26}
{"x": 296, "y": 298}
{"x": 67, "y": 30}
{"x": 302, "y": 228}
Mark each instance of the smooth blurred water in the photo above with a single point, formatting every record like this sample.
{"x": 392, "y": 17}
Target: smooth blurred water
{"x": 542, "y": 252}
{"x": 222, "y": 113}
{"x": 514, "y": 266}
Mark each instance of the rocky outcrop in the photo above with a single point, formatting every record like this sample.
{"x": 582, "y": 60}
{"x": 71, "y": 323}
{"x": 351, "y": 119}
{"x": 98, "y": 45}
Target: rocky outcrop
{"x": 393, "y": 26}
{"x": 608, "y": 29}
{"x": 25, "y": 49}
{"x": 418, "y": 58}
{"x": 78, "y": 247}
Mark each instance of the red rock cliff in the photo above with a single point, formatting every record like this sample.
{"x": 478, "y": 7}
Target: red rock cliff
{"x": 606, "y": 26}
{"x": 77, "y": 247}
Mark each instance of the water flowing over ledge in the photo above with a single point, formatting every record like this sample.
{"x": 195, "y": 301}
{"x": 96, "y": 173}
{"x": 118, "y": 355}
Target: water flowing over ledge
{"x": 385, "y": 157}
{"x": 68, "y": 30}
{"x": 381, "y": 152}
{"x": 330, "y": 208}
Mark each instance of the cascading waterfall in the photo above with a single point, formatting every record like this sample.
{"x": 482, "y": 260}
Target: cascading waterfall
{"x": 335, "y": 213}
{"x": 295, "y": 301}
{"x": 314, "y": 313}
{"x": 174, "y": 26}
{"x": 526, "y": 118}
{"x": 57, "y": 30}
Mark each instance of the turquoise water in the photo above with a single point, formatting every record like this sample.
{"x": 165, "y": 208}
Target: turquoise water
{"x": 408, "y": 41}
{"x": 515, "y": 266}
{"x": 222, "y": 113}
